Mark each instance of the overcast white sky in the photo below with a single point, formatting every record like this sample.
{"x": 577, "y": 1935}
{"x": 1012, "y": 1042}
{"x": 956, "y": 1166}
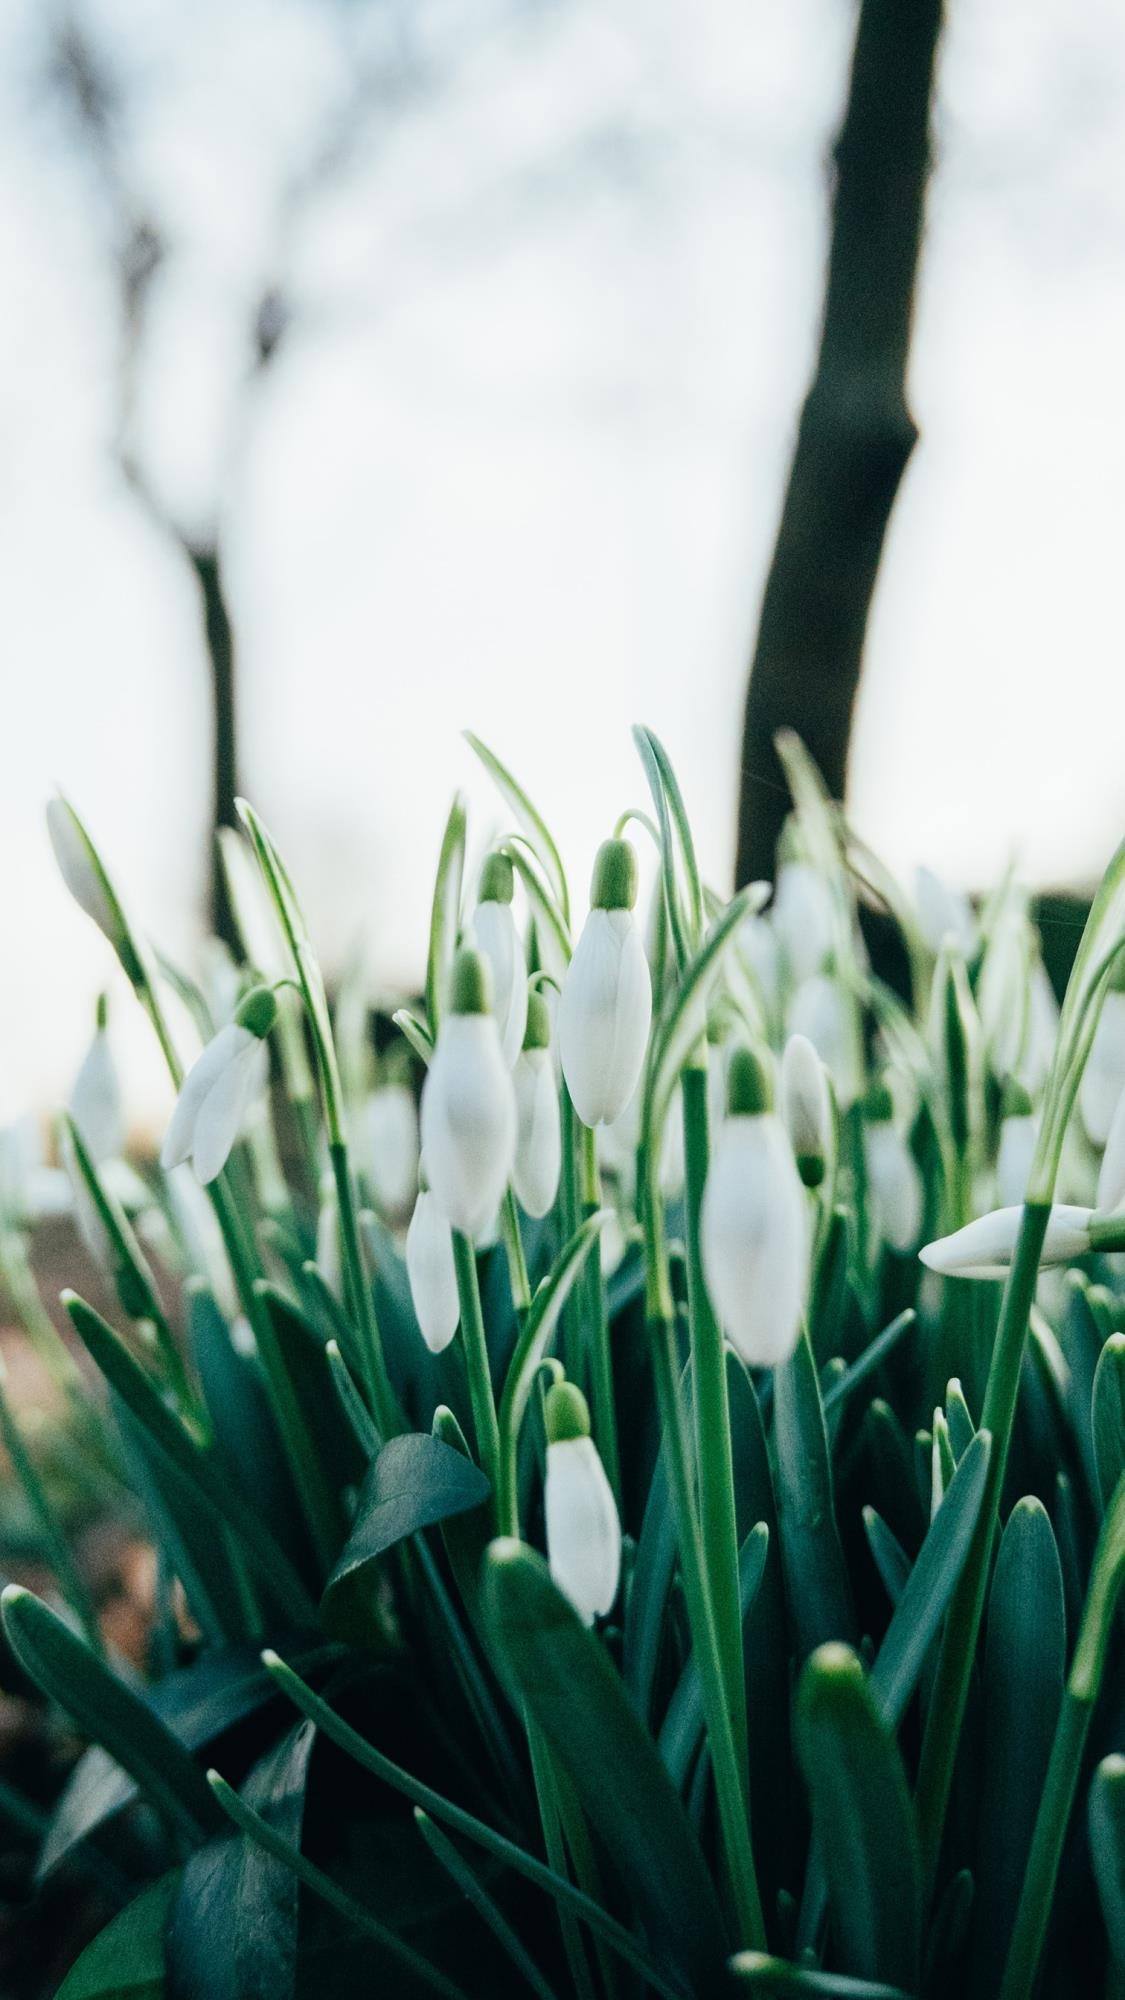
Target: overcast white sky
{"x": 520, "y": 465}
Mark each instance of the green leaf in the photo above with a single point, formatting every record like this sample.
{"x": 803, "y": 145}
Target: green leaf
{"x": 929, "y": 1587}
{"x": 471, "y": 1887}
{"x": 535, "y": 1338}
{"x": 243, "y": 1426}
{"x": 445, "y": 913}
{"x": 816, "y": 1580}
{"x": 563, "y": 1675}
{"x": 126, "y": 1959}
{"x": 1107, "y": 1844}
{"x": 195, "y": 1550}
{"x": 777, "y": 1979}
{"x": 1025, "y": 1659}
{"x": 873, "y": 1356}
{"x": 651, "y": 1581}
{"x": 414, "y": 1482}
{"x": 232, "y": 1933}
{"x": 531, "y": 820}
{"x": 675, "y": 830}
{"x": 1109, "y": 1416}
{"x": 962, "y": 1429}
{"x": 681, "y": 1732}
{"x": 70, "y": 1672}
{"x": 1101, "y": 940}
{"x": 887, "y": 1553}
{"x": 331, "y": 1458}
{"x": 863, "y": 1819}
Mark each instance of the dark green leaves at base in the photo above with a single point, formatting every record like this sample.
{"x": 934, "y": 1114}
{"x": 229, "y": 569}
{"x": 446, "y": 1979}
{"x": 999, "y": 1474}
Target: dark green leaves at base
{"x": 1107, "y": 1844}
{"x": 863, "y": 1819}
{"x": 415, "y": 1481}
{"x": 126, "y": 1960}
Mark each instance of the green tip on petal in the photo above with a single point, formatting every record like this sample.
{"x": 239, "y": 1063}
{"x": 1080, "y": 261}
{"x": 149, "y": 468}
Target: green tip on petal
{"x": 614, "y": 883}
{"x": 470, "y": 984}
{"x": 1016, "y": 1101}
{"x": 810, "y": 1166}
{"x": 258, "y": 1011}
{"x": 497, "y": 880}
{"x": 567, "y": 1413}
{"x": 537, "y": 1034}
{"x": 878, "y": 1105}
{"x": 101, "y": 1013}
{"x": 749, "y": 1090}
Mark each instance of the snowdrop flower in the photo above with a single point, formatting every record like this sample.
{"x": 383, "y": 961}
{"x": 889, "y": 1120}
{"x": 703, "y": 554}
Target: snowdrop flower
{"x": 1103, "y": 1078}
{"x": 535, "y": 1176}
{"x": 392, "y": 1146}
{"x": 583, "y": 1529}
{"x": 1019, "y": 1130}
{"x": 892, "y": 1173}
{"x": 804, "y": 919}
{"x": 1111, "y": 1177}
{"x": 219, "y": 1089}
{"x": 81, "y": 870}
{"x": 1042, "y": 1029}
{"x": 494, "y": 929}
{"x": 606, "y": 1005}
{"x": 984, "y": 1248}
{"x": 95, "y": 1098}
{"x": 943, "y": 912}
{"x": 806, "y": 1108}
{"x": 468, "y": 1104}
{"x": 822, "y": 1012}
{"x": 754, "y": 1223}
{"x": 1004, "y": 990}
{"x": 432, "y": 1272}
{"x": 328, "y": 1236}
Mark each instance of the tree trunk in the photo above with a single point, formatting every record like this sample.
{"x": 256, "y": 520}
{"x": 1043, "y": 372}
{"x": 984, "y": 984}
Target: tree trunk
{"x": 856, "y": 432}
{"x": 219, "y": 635}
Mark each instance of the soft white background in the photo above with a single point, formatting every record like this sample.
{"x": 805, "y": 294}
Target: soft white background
{"x": 520, "y": 464}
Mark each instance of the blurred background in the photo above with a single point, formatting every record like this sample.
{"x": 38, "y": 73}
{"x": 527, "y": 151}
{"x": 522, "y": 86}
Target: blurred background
{"x": 424, "y": 366}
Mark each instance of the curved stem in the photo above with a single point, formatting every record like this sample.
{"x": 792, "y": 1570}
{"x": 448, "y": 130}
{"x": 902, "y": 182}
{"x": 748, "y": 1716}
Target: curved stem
{"x": 476, "y": 1361}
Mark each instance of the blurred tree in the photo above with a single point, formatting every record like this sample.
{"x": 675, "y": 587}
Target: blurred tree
{"x": 856, "y": 432}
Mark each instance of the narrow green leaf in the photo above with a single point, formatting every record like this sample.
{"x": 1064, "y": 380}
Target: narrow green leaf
{"x": 414, "y": 1482}
{"x": 534, "y": 1339}
{"x": 445, "y": 914}
{"x": 962, "y": 1429}
{"x": 562, "y": 1673}
{"x": 1109, "y": 1416}
{"x": 126, "y": 1959}
{"x": 529, "y": 817}
{"x": 863, "y": 1818}
{"x": 1025, "y": 1659}
{"x": 70, "y": 1672}
{"x": 887, "y": 1553}
{"x": 816, "y": 1580}
{"x": 930, "y": 1584}
{"x": 471, "y": 1887}
{"x": 1107, "y": 1844}
{"x": 873, "y": 1356}
{"x": 682, "y": 1729}
{"x": 777, "y": 1979}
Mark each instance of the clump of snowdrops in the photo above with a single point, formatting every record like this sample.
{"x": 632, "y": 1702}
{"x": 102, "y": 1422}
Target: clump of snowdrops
{"x": 651, "y": 1522}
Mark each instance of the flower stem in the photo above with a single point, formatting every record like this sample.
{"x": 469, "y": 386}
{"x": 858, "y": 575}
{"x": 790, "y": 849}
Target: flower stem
{"x": 476, "y": 1361}
{"x": 962, "y": 1629}
{"x": 359, "y": 1296}
{"x": 513, "y": 1250}
{"x": 604, "y": 1408}
{"x": 714, "y": 1469}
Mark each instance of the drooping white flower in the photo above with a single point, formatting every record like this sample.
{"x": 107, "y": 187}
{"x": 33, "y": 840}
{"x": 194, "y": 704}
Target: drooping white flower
{"x": 893, "y": 1178}
{"x": 391, "y": 1117}
{"x": 1111, "y": 1175}
{"x": 606, "y": 1005}
{"x": 1003, "y": 991}
{"x": 79, "y": 868}
{"x": 1103, "y": 1078}
{"x": 806, "y": 1107}
{"x": 803, "y": 915}
{"x": 823, "y": 1013}
{"x": 943, "y": 912}
{"x": 432, "y": 1272}
{"x": 220, "y": 1088}
{"x": 468, "y": 1104}
{"x": 95, "y": 1099}
{"x": 583, "y": 1529}
{"x": 1019, "y": 1131}
{"x": 535, "y": 1176}
{"x": 494, "y": 929}
{"x": 984, "y": 1248}
{"x": 754, "y": 1227}
{"x": 1042, "y": 1029}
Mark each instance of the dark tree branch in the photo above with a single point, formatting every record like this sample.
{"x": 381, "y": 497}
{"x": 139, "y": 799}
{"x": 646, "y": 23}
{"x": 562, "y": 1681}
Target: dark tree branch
{"x": 856, "y": 432}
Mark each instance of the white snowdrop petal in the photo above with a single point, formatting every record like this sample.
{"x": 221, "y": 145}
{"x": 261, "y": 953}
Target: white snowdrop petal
{"x": 468, "y": 1121}
{"x": 1014, "y": 1154}
{"x": 803, "y": 1097}
{"x": 583, "y": 1529}
{"x": 95, "y": 1101}
{"x": 432, "y": 1272}
{"x": 896, "y": 1183}
{"x": 221, "y": 1115}
{"x": 535, "y": 1175}
{"x": 984, "y": 1247}
{"x": 821, "y": 1012}
{"x": 755, "y": 1238}
{"x": 943, "y": 911}
{"x": 804, "y": 919}
{"x": 494, "y": 927}
{"x": 604, "y": 1016}
{"x": 208, "y": 1065}
{"x": 392, "y": 1146}
{"x": 77, "y": 869}
{"x": 1103, "y": 1078}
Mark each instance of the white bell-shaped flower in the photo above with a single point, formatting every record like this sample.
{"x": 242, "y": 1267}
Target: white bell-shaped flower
{"x": 943, "y": 912}
{"x": 893, "y": 1179}
{"x": 824, "y": 1014}
{"x": 468, "y": 1104}
{"x": 1103, "y": 1078}
{"x": 432, "y": 1272}
{"x": 984, "y": 1248}
{"x": 495, "y": 934}
{"x": 806, "y": 1107}
{"x": 96, "y": 1104}
{"x": 754, "y": 1228}
{"x": 803, "y": 915}
{"x": 81, "y": 870}
{"x": 220, "y": 1088}
{"x": 1042, "y": 1029}
{"x": 1015, "y": 1149}
{"x": 606, "y": 1006}
{"x": 583, "y": 1528}
{"x": 391, "y": 1118}
{"x": 535, "y": 1176}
